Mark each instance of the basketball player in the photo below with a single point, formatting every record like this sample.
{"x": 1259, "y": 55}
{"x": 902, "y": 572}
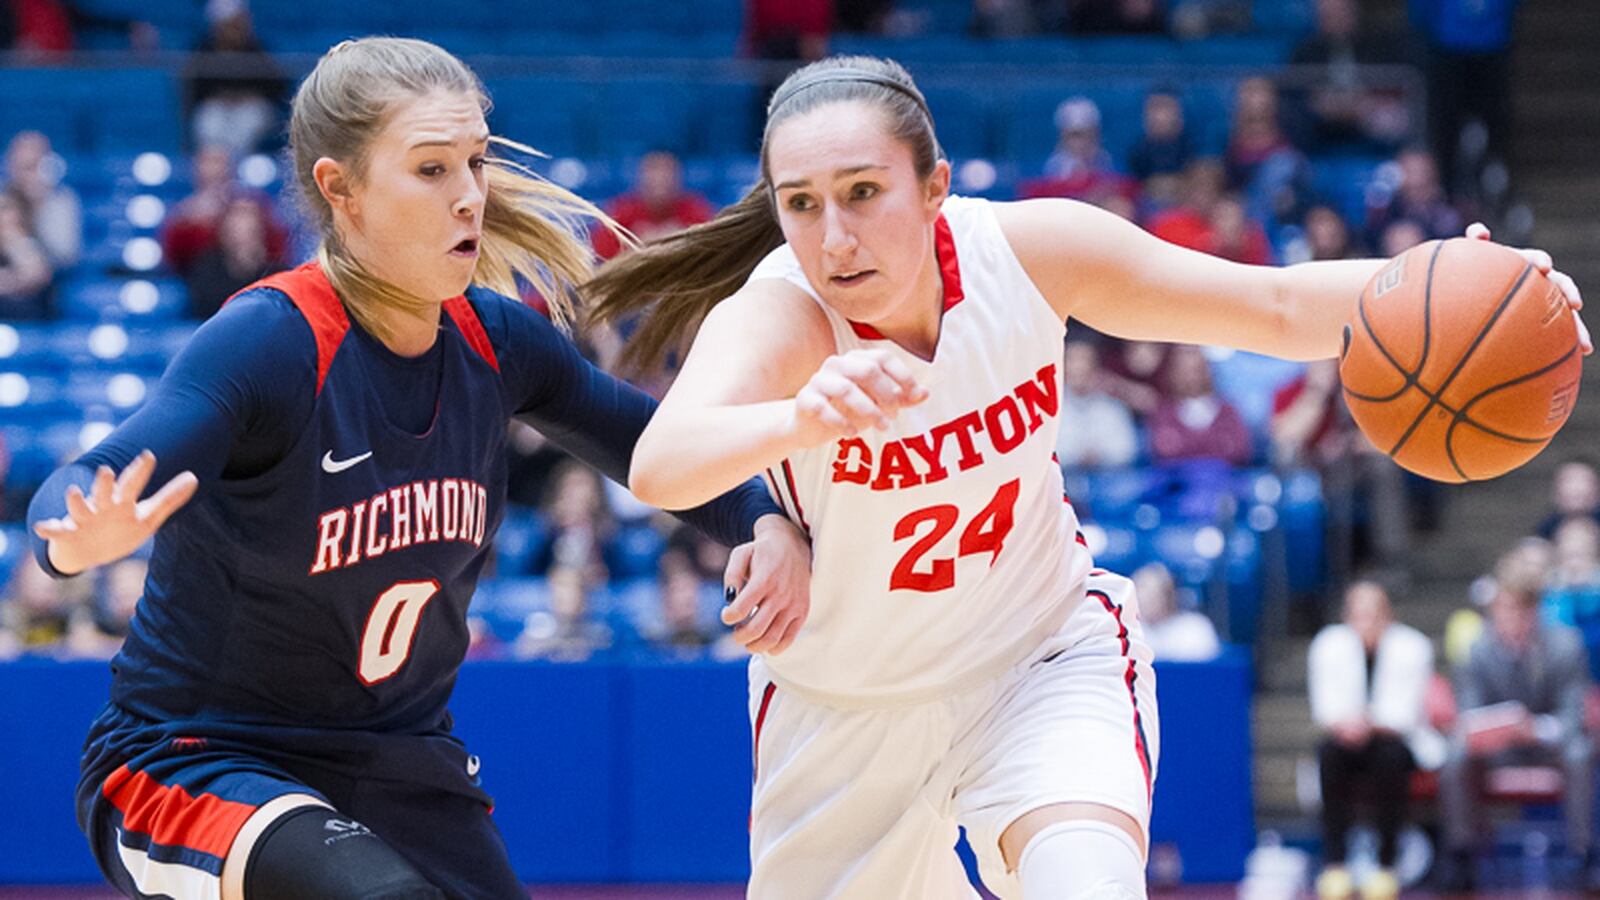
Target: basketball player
{"x": 891, "y": 364}
{"x": 277, "y": 727}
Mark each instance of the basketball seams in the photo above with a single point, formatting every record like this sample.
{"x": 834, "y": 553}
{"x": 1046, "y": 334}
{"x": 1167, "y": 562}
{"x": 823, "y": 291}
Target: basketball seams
{"x": 1464, "y": 417}
{"x": 1427, "y": 337}
{"x": 1466, "y": 354}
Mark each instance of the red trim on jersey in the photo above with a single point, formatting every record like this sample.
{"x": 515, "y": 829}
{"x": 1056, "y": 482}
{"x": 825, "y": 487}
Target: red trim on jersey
{"x": 777, "y": 492}
{"x": 761, "y": 719}
{"x": 794, "y": 495}
{"x": 466, "y": 318}
{"x": 172, "y": 817}
{"x": 944, "y": 248}
{"x": 307, "y": 287}
{"x": 1129, "y": 677}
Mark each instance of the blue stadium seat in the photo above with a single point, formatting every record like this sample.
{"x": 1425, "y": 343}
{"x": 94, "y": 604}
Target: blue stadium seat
{"x": 522, "y": 537}
{"x": 548, "y": 113}
{"x": 132, "y": 299}
{"x": 644, "y": 114}
{"x": 963, "y": 118}
{"x": 33, "y": 399}
{"x": 31, "y": 349}
{"x": 633, "y": 552}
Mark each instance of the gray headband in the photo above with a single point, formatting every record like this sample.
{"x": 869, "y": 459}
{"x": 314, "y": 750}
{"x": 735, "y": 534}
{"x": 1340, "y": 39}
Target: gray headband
{"x": 835, "y": 76}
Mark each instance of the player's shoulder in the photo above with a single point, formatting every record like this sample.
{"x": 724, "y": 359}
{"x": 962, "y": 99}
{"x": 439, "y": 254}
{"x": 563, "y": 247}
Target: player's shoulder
{"x": 263, "y": 321}
{"x": 508, "y": 319}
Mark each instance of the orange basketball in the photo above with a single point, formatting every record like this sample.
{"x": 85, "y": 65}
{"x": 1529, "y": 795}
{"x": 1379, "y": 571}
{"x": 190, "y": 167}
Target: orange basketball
{"x": 1462, "y": 362}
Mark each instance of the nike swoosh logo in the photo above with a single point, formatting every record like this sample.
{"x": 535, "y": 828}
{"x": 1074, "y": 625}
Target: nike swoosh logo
{"x": 333, "y": 466}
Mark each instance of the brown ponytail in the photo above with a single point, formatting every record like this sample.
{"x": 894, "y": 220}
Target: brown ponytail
{"x": 708, "y": 263}
{"x": 675, "y": 280}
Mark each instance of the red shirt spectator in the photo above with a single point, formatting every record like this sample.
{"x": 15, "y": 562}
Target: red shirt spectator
{"x": 658, "y": 205}
{"x": 1193, "y": 421}
{"x": 191, "y": 229}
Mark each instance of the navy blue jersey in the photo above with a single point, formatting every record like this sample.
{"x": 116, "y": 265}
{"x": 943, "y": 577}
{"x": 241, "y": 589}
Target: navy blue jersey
{"x": 321, "y": 575}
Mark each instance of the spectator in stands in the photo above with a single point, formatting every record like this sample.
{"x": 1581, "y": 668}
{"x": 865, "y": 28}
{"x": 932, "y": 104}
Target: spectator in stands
{"x": 235, "y": 88}
{"x": 579, "y": 521}
{"x": 1574, "y": 493}
{"x": 239, "y": 258}
{"x": 1469, "y": 73}
{"x": 1257, "y": 136}
{"x": 1418, "y": 196}
{"x": 1327, "y": 235}
{"x": 657, "y": 206}
{"x": 1164, "y": 149}
{"x": 1175, "y": 634}
{"x": 1079, "y": 167}
{"x": 1192, "y": 421}
{"x": 1117, "y": 16}
{"x": 50, "y": 210}
{"x": 1572, "y": 592}
{"x": 1341, "y": 110}
{"x": 1522, "y": 700}
{"x": 1235, "y": 236}
{"x": 1015, "y": 18}
{"x": 1310, "y": 427}
{"x": 191, "y": 228}
{"x": 792, "y": 32}
{"x": 37, "y": 611}
{"x": 568, "y": 631}
{"x": 1367, "y": 677}
{"x": 1399, "y": 236}
{"x": 36, "y": 28}
{"x": 1135, "y": 372}
{"x": 1189, "y": 223}
{"x": 683, "y": 631}
{"x": 24, "y": 268}
{"x": 1099, "y": 428}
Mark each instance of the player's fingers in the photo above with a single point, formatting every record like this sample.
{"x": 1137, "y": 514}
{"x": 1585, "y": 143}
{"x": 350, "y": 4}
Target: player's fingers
{"x": 1478, "y": 231}
{"x": 134, "y": 478}
{"x": 896, "y": 368}
{"x": 50, "y": 529}
{"x": 791, "y": 630}
{"x": 1584, "y": 340}
{"x": 172, "y": 496}
{"x": 78, "y": 508}
{"x": 862, "y": 411}
{"x": 1569, "y": 287}
{"x": 739, "y": 600}
{"x": 100, "y": 491}
{"x": 877, "y": 384}
{"x": 1540, "y": 259}
{"x": 757, "y": 626}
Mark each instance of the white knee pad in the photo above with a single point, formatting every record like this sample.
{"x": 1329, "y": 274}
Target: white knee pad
{"x": 1082, "y": 859}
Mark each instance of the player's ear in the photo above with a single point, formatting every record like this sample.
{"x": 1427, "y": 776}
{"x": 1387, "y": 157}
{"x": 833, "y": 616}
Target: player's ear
{"x": 334, "y": 183}
{"x": 937, "y": 188}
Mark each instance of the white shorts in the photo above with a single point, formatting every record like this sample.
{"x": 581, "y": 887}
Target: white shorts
{"x": 865, "y": 803}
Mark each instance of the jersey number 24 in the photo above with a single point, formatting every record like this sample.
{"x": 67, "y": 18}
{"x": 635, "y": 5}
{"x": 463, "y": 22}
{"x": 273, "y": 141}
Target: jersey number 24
{"x": 986, "y": 533}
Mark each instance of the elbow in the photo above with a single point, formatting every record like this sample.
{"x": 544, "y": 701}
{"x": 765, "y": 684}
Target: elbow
{"x": 648, "y": 481}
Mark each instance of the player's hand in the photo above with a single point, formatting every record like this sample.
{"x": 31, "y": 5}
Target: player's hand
{"x": 1546, "y": 266}
{"x": 851, "y": 393}
{"x": 111, "y": 522}
{"x": 769, "y": 587}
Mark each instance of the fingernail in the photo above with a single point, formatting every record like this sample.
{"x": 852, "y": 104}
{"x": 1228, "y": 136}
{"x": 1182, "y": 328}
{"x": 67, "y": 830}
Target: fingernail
{"x": 728, "y": 593}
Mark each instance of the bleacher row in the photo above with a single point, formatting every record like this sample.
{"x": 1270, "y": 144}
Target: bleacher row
{"x": 616, "y": 27}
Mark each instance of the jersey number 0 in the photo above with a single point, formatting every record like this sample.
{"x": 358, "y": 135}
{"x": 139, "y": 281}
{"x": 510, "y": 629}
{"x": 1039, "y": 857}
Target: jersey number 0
{"x": 391, "y": 627}
{"x": 986, "y": 533}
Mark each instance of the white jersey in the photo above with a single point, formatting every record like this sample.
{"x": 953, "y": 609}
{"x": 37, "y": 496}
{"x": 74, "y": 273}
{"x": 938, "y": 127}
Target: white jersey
{"x": 943, "y": 550}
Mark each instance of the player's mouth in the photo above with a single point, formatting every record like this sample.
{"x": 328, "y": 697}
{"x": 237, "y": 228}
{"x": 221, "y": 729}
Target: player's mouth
{"x": 467, "y": 248}
{"x": 851, "y": 279}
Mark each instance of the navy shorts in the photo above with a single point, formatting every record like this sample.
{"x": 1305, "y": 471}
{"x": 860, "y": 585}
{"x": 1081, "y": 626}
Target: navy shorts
{"x": 161, "y": 802}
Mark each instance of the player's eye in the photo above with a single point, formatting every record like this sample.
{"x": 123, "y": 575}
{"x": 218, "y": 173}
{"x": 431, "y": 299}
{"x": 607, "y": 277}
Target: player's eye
{"x": 799, "y": 202}
{"x": 864, "y": 191}
{"x": 429, "y": 170}
{"x": 476, "y": 163}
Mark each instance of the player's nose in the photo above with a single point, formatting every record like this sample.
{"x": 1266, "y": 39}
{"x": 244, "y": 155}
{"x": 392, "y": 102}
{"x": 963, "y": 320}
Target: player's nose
{"x": 838, "y": 239}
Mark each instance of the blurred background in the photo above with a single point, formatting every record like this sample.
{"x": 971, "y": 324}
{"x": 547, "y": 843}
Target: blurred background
{"x": 143, "y": 184}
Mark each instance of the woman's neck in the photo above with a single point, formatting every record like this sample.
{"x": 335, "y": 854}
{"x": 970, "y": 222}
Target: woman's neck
{"x": 917, "y": 324}
{"x": 407, "y": 334}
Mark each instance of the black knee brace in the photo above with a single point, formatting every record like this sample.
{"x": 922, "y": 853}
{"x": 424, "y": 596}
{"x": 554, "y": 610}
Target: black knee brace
{"x": 317, "y": 852}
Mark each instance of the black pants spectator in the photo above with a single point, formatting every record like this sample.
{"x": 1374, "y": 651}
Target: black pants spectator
{"x": 1379, "y": 773}
{"x": 1462, "y": 86}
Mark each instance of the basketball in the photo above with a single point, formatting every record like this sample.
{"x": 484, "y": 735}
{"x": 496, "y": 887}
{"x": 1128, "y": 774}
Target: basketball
{"x": 1462, "y": 361}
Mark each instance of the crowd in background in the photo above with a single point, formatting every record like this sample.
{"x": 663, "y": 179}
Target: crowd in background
{"x": 1249, "y": 200}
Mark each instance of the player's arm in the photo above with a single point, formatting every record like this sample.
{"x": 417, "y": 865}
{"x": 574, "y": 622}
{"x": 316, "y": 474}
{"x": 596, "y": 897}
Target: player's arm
{"x": 1108, "y": 273}
{"x": 761, "y": 382}
{"x": 235, "y": 377}
{"x": 598, "y": 419}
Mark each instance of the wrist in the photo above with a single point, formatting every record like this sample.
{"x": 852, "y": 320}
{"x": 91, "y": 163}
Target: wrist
{"x": 62, "y": 561}
{"x": 768, "y": 523}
